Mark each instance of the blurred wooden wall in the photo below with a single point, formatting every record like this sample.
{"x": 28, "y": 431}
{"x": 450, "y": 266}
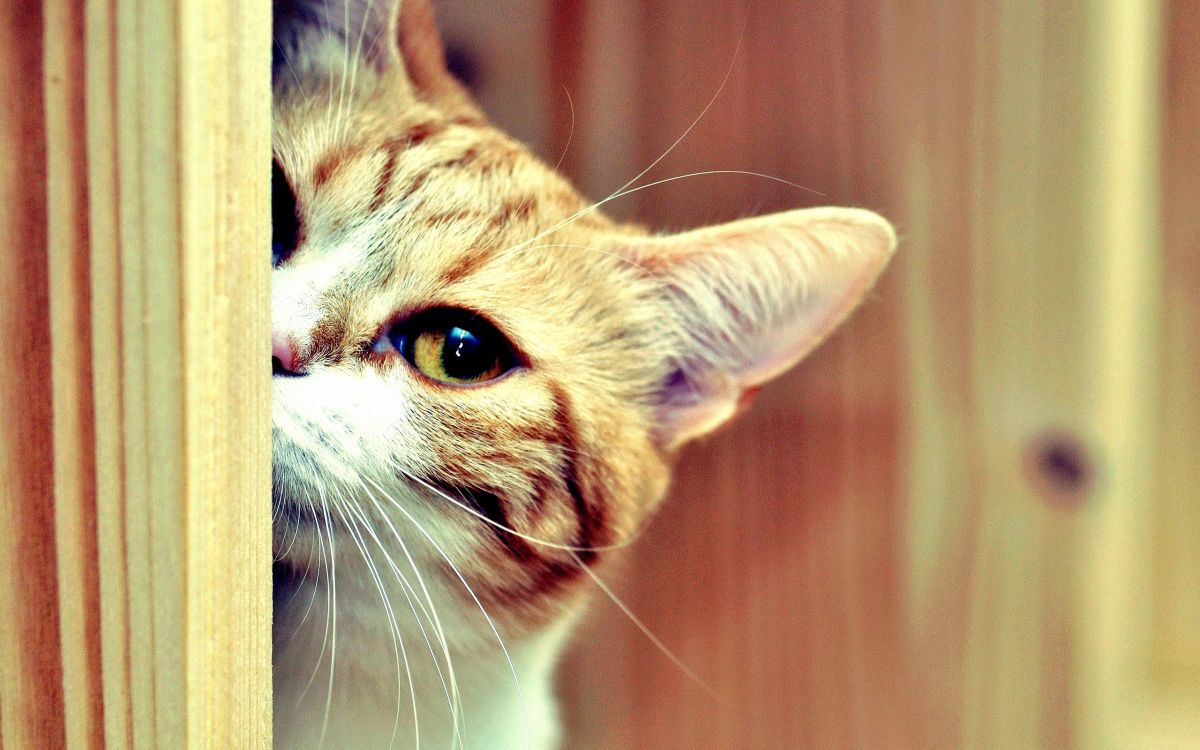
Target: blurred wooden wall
{"x": 970, "y": 519}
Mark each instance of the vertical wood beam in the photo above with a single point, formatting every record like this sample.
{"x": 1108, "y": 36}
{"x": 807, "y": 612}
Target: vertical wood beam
{"x": 225, "y": 110}
{"x": 31, "y": 699}
{"x": 135, "y": 601}
{"x": 178, "y": 148}
{"x": 1121, "y": 700}
{"x": 1177, "y": 597}
{"x": 71, "y": 376}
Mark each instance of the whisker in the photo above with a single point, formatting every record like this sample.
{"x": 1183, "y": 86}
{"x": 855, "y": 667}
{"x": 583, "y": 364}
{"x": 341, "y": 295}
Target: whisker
{"x": 452, "y": 693}
{"x": 410, "y": 593}
{"x": 721, "y": 87}
{"x": 316, "y": 585}
{"x": 471, "y": 592}
{"x": 623, "y": 190}
{"x": 296, "y": 78}
{"x": 295, "y": 534}
{"x": 329, "y": 83}
{"x": 331, "y": 616}
{"x": 362, "y": 31}
{"x": 602, "y": 251}
{"x": 629, "y": 191}
{"x": 449, "y": 690}
{"x": 662, "y": 647}
{"x": 345, "y": 65}
{"x": 570, "y": 132}
{"x": 600, "y": 583}
{"x": 398, "y": 648}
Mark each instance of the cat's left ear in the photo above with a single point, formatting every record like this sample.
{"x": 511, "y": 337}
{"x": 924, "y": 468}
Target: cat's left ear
{"x": 320, "y": 37}
{"x": 330, "y": 36}
{"x": 747, "y": 300}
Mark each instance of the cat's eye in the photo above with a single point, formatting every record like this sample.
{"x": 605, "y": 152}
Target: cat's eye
{"x": 285, "y": 221}
{"x": 450, "y": 346}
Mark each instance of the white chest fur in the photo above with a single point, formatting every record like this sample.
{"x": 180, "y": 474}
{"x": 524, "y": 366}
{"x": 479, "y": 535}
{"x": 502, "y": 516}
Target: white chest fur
{"x": 344, "y": 683}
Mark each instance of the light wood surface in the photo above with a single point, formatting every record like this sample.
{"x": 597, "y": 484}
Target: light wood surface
{"x": 71, "y": 375}
{"x": 136, "y": 464}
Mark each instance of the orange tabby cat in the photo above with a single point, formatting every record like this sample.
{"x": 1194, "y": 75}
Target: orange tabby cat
{"x": 481, "y": 384}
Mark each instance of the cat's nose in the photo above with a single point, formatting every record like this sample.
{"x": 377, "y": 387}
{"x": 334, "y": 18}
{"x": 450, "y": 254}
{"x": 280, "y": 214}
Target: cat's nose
{"x": 283, "y": 354}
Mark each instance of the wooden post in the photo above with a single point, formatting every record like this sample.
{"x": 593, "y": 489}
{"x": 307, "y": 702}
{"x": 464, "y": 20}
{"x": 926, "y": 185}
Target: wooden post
{"x": 134, "y": 440}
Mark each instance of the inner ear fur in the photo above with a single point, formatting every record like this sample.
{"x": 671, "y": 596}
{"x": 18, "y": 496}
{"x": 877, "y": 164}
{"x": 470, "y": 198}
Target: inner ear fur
{"x": 747, "y": 300}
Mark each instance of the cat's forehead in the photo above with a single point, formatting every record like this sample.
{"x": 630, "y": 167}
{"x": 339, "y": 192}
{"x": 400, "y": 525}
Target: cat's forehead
{"x": 388, "y": 157}
{"x": 410, "y": 174}
{"x": 421, "y": 208}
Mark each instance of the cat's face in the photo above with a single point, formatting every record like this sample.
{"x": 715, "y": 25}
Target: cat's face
{"x": 480, "y": 378}
{"x": 453, "y": 352}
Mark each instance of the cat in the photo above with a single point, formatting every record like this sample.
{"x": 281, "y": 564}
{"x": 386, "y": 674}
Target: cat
{"x": 481, "y": 383}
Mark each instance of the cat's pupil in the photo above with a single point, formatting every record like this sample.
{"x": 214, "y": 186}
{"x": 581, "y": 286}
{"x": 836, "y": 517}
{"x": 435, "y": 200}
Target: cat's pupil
{"x": 465, "y": 355}
{"x": 285, "y": 223}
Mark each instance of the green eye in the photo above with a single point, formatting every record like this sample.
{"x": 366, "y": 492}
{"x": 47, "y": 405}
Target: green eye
{"x": 453, "y": 346}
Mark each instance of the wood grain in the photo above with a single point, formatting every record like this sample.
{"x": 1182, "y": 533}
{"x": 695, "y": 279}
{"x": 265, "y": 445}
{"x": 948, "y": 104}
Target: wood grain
{"x": 178, "y": 153}
{"x": 135, "y": 443}
{"x": 225, "y": 109}
{"x": 1176, "y": 595}
{"x": 998, "y": 304}
{"x": 71, "y": 376}
{"x": 31, "y": 693}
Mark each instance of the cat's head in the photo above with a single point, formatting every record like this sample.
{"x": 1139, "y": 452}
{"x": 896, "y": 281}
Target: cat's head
{"x": 477, "y": 374}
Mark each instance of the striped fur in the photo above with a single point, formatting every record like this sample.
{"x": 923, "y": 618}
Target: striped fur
{"x": 453, "y": 523}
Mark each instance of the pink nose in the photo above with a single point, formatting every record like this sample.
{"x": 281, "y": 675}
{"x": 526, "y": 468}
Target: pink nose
{"x": 283, "y": 351}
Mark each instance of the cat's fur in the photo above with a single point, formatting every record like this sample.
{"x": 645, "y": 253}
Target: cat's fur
{"x": 630, "y": 344}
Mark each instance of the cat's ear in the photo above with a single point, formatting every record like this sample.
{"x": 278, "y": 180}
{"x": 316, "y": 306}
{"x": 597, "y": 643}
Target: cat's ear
{"x": 747, "y": 300}
{"x": 328, "y": 38}
{"x": 419, "y": 45}
{"x": 322, "y": 37}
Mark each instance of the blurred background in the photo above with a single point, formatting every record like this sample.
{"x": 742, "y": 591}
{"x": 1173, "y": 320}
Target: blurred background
{"x": 971, "y": 519}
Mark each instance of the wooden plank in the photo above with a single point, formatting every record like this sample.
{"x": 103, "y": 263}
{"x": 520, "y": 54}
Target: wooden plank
{"x": 1139, "y": 686}
{"x": 178, "y": 147}
{"x": 225, "y": 110}
{"x": 31, "y": 693}
{"x": 998, "y": 314}
{"x": 1119, "y": 703}
{"x": 71, "y": 376}
{"x": 104, "y": 270}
